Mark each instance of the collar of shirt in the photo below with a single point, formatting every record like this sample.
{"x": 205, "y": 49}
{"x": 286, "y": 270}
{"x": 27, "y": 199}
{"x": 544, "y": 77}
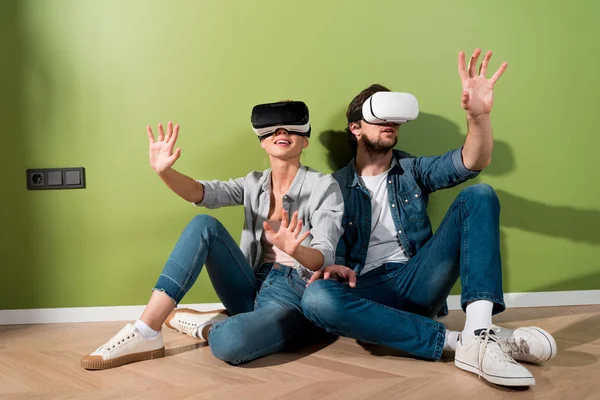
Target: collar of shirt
{"x": 353, "y": 178}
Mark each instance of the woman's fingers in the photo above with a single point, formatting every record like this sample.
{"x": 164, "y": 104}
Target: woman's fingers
{"x": 293, "y": 221}
{"x": 303, "y": 237}
{"x": 150, "y": 134}
{"x": 284, "y": 219}
{"x": 161, "y": 133}
{"x": 298, "y": 228}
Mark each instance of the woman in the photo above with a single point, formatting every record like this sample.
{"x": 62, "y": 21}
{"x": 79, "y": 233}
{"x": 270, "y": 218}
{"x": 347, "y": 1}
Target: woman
{"x": 261, "y": 282}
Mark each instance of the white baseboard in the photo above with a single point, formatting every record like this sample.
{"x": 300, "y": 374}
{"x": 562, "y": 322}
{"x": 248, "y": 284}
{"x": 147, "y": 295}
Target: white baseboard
{"x": 129, "y": 313}
{"x": 83, "y": 314}
{"x": 536, "y": 299}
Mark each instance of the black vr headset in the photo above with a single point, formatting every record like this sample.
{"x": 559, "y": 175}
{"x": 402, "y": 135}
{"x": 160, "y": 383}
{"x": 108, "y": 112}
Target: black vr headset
{"x": 289, "y": 115}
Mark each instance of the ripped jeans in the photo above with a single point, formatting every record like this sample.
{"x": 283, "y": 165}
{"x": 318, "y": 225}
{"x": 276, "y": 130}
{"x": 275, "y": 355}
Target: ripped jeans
{"x": 265, "y": 305}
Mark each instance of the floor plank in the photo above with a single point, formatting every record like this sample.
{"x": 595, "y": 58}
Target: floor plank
{"x": 42, "y": 362}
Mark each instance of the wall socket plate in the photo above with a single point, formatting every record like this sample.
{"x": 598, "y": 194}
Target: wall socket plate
{"x": 56, "y": 178}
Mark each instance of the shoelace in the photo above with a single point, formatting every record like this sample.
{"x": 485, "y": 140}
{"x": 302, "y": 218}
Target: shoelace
{"x": 520, "y": 346}
{"x": 124, "y": 335}
{"x": 187, "y": 328}
{"x": 488, "y": 336}
{"x": 515, "y": 346}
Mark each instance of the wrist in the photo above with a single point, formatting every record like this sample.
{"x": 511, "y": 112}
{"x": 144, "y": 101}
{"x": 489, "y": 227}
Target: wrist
{"x": 162, "y": 173}
{"x": 294, "y": 252}
{"x": 479, "y": 118}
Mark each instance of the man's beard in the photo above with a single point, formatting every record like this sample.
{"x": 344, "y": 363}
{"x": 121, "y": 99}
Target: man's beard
{"x": 378, "y": 146}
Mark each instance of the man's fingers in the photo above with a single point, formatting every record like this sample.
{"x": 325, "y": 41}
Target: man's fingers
{"x": 351, "y": 278}
{"x": 499, "y": 73}
{"x": 473, "y": 63}
{"x": 150, "y": 134}
{"x": 462, "y": 69}
{"x": 327, "y": 275}
{"x": 465, "y": 99}
{"x": 484, "y": 64}
{"x": 313, "y": 278}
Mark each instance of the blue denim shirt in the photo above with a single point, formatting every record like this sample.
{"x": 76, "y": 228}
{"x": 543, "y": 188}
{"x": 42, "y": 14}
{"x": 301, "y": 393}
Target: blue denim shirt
{"x": 410, "y": 181}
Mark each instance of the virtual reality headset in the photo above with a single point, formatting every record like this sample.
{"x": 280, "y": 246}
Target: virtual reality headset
{"x": 387, "y": 107}
{"x": 289, "y": 115}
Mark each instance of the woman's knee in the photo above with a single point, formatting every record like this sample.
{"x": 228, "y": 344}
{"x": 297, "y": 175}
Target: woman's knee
{"x": 205, "y": 220}
{"x": 228, "y": 346}
{"x": 203, "y": 223}
{"x": 252, "y": 335}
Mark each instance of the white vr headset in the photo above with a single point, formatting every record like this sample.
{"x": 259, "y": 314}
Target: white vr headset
{"x": 387, "y": 107}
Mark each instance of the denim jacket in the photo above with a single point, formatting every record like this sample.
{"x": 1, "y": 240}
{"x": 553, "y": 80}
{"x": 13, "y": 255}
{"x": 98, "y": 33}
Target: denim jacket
{"x": 410, "y": 181}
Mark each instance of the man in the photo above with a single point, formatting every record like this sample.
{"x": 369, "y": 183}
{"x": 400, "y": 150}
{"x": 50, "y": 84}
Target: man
{"x": 399, "y": 273}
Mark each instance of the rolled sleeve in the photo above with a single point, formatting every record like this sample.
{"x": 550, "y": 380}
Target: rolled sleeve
{"x": 222, "y": 193}
{"x": 326, "y": 222}
{"x": 459, "y": 165}
{"x": 208, "y": 196}
{"x": 441, "y": 172}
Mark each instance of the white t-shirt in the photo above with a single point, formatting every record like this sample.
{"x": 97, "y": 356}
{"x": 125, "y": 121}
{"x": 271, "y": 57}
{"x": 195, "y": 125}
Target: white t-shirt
{"x": 383, "y": 245}
{"x": 272, "y": 253}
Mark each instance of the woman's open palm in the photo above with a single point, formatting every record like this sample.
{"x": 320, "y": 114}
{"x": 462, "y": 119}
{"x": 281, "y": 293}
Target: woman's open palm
{"x": 162, "y": 156}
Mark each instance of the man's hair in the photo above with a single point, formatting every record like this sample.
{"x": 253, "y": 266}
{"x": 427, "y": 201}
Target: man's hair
{"x": 354, "y": 113}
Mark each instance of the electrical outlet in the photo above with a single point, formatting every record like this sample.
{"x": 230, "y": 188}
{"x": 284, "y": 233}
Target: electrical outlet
{"x": 56, "y": 178}
{"x": 36, "y": 179}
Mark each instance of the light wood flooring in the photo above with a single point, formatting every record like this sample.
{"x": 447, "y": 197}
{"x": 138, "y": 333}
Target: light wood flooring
{"x": 42, "y": 362}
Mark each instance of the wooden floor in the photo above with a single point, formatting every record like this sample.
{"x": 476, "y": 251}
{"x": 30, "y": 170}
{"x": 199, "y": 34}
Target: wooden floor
{"x": 42, "y": 362}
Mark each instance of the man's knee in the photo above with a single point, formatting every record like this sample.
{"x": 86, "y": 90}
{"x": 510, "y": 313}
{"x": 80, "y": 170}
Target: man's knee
{"x": 320, "y": 303}
{"x": 482, "y": 193}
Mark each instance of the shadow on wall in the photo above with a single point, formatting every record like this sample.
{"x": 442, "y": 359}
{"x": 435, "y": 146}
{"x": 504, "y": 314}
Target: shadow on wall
{"x": 434, "y": 135}
{"x": 20, "y": 263}
{"x": 15, "y": 221}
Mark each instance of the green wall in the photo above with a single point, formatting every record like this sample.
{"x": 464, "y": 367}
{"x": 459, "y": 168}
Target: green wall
{"x": 81, "y": 79}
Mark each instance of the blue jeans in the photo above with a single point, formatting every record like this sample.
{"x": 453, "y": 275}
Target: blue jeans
{"x": 394, "y": 304}
{"x": 265, "y": 308}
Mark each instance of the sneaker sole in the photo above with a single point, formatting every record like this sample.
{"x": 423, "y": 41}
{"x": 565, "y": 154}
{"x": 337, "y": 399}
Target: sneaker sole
{"x": 127, "y": 359}
{"x": 192, "y": 311}
{"x": 498, "y": 380}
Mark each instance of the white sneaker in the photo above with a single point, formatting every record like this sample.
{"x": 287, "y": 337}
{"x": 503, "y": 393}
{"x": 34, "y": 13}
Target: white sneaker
{"x": 194, "y": 323}
{"x": 125, "y": 347}
{"x": 529, "y": 344}
{"x": 488, "y": 356}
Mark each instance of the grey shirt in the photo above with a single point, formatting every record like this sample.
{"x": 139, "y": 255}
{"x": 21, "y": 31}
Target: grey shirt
{"x": 316, "y": 197}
